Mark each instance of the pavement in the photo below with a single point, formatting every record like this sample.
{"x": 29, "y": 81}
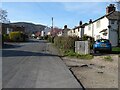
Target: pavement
{"x": 33, "y": 65}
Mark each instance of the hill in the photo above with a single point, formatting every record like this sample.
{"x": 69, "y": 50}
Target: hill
{"x": 30, "y": 27}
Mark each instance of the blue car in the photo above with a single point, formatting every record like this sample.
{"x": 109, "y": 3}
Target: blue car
{"x": 102, "y": 45}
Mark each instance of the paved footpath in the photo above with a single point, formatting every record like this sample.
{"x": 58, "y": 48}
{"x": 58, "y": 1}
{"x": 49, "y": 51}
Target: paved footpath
{"x": 32, "y": 65}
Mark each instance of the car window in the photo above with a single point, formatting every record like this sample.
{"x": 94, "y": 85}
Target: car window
{"x": 103, "y": 40}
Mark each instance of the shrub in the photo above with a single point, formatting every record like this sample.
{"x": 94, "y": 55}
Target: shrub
{"x": 65, "y": 43}
{"x": 51, "y": 39}
{"x": 85, "y": 37}
{"x": 5, "y": 38}
{"x": 45, "y": 37}
{"x": 18, "y": 36}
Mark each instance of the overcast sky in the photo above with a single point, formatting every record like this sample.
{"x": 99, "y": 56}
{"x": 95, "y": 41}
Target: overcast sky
{"x": 64, "y": 13}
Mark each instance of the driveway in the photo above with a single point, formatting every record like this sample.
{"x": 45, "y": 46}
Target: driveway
{"x": 33, "y": 65}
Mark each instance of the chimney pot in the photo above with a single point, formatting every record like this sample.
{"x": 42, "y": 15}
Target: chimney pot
{"x": 90, "y": 21}
{"x": 80, "y": 23}
{"x": 110, "y": 8}
{"x": 65, "y": 26}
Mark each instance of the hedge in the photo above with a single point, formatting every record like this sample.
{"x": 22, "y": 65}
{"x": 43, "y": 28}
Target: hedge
{"x": 85, "y": 37}
{"x": 18, "y": 36}
{"x": 66, "y": 43}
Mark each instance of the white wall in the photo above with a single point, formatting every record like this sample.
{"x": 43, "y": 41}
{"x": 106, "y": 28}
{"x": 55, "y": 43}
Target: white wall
{"x": 76, "y": 32}
{"x": 104, "y": 22}
{"x": 94, "y": 31}
{"x": 113, "y": 34}
{"x": 60, "y": 33}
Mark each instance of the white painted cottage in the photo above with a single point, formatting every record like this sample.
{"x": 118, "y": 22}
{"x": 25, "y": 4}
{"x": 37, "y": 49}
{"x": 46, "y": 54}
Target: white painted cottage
{"x": 106, "y": 27}
{"x": 77, "y": 31}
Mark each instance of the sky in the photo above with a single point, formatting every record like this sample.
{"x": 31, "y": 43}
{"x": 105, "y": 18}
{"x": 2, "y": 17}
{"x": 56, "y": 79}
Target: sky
{"x": 63, "y": 13}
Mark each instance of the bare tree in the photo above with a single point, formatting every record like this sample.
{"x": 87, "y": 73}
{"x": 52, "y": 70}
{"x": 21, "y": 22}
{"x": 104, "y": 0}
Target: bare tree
{"x": 3, "y": 16}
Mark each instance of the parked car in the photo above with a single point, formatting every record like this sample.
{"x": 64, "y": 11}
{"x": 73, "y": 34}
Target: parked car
{"x": 102, "y": 45}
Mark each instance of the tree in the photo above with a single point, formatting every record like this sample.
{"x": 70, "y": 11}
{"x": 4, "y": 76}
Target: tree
{"x": 3, "y": 16}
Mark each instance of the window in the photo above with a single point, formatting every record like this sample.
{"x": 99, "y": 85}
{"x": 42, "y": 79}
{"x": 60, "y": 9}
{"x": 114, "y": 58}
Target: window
{"x": 98, "y": 24}
{"x": 74, "y": 31}
{"x": 112, "y": 21}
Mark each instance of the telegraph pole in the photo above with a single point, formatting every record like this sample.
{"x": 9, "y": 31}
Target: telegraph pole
{"x": 52, "y": 24}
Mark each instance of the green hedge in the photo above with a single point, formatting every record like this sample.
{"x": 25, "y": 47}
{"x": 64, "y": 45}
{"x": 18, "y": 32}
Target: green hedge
{"x": 18, "y": 36}
{"x": 5, "y": 38}
{"x": 65, "y": 43}
{"x": 50, "y": 39}
{"x": 85, "y": 37}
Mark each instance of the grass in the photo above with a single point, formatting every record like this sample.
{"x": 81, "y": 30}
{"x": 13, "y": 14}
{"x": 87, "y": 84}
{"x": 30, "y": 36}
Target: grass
{"x": 116, "y": 49}
{"x": 72, "y": 54}
{"x": 108, "y": 58}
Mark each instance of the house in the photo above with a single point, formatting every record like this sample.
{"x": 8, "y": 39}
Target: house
{"x": 106, "y": 27}
{"x": 7, "y": 28}
{"x": 55, "y": 31}
{"x": 45, "y": 31}
{"x": 77, "y": 31}
{"x": 64, "y": 32}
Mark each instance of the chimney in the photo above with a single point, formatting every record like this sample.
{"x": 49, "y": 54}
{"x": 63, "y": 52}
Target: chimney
{"x": 65, "y": 26}
{"x": 80, "y": 23}
{"x": 110, "y": 8}
{"x": 90, "y": 21}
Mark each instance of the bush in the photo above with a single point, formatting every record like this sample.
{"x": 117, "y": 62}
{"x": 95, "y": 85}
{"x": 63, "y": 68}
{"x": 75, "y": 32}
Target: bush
{"x": 85, "y": 37}
{"x": 51, "y": 39}
{"x": 65, "y": 43}
{"x": 45, "y": 37}
{"x": 5, "y": 38}
{"x": 18, "y": 36}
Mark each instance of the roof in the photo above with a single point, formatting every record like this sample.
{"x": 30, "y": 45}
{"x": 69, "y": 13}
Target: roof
{"x": 112, "y": 15}
{"x": 81, "y": 26}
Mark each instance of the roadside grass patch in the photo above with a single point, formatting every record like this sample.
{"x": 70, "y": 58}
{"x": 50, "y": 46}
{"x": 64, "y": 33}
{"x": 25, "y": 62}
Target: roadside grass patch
{"x": 116, "y": 49}
{"x": 108, "y": 58}
{"x": 72, "y": 54}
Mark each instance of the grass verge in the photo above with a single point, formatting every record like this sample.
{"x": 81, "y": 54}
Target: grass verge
{"x": 72, "y": 54}
{"x": 108, "y": 58}
{"x": 116, "y": 49}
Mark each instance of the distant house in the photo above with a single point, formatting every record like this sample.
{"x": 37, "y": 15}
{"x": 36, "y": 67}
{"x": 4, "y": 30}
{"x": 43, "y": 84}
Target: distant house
{"x": 55, "y": 31}
{"x": 106, "y": 27}
{"x": 38, "y": 34}
{"x": 64, "y": 32}
{"x": 45, "y": 31}
{"x": 7, "y": 28}
{"x": 77, "y": 31}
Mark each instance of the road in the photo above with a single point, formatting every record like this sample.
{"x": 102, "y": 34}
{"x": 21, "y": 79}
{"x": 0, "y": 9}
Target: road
{"x": 33, "y": 65}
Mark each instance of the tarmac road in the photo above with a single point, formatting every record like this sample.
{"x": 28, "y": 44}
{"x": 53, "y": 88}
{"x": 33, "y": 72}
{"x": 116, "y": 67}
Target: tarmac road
{"x": 32, "y": 65}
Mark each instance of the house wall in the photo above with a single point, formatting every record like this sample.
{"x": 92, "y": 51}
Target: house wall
{"x": 94, "y": 29}
{"x": 113, "y": 32}
{"x": 104, "y": 23}
{"x": 79, "y": 32}
{"x": 88, "y": 29}
{"x": 60, "y": 33}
